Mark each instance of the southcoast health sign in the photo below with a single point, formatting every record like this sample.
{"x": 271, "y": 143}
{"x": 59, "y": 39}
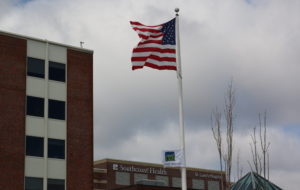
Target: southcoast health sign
{"x": 146, "y": 170}
{"x": 192, "y": 173}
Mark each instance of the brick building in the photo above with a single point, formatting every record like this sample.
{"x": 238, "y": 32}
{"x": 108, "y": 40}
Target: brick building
{"x": 119, "y": 174}
{"x": 46, "y": 115}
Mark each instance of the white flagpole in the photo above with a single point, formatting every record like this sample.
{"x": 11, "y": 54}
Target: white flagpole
{"x": 180, "y": 102}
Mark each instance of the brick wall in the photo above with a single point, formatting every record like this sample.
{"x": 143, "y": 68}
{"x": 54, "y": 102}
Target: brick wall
{"x": 79, "y": 120}
{"x": 100, "y": 179}
{"x": 12, "y": 112}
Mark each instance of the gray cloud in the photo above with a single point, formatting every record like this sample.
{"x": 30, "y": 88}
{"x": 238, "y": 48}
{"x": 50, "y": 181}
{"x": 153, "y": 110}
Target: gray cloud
{"x": 135, "y": 112}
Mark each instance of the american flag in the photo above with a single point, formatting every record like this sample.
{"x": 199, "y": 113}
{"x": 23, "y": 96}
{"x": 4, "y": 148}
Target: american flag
{"x": 157, "y": 48}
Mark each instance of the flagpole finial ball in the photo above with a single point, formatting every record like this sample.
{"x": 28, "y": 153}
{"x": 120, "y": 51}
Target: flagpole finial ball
{"x": 177, "y": 10}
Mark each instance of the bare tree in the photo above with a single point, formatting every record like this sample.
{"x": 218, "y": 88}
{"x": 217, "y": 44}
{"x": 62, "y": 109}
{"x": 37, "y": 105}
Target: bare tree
{"x": 239, "y": 169}
{"x": 229, "y": 116}
{"x": 256, "y": 158}
{"x": 263, "y": 140}
{"x": 259, "y": 159}
{"x": 217, "y": 134}
{"x": 226, "y": 155}
{"x": 268, "y": 166}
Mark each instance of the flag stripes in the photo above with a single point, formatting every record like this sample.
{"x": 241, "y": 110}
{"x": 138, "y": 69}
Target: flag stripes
{"x": 152, "y": 51}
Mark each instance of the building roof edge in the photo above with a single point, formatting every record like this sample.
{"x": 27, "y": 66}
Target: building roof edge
{"x": 45, "y": 40}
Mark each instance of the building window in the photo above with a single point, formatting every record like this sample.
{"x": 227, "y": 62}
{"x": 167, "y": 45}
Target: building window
{"x": 56, "y": 184}
{"x": 122, "y": 178}
{"x": 57, "y": 71}
{"x": 56, "y": 148}
{"x": 139, "y": 177}
{"x": 213, "y": 185}
{"x": 176, "y": 182}
{"x": 198, "y": 184}
{"x": 34, "y": 146}
{"x": 35, "y": 106}
{"x": 35, "y": 67}
{"x": 33, "y": 183}
{"x": 165, "y": 179}
{"x": 56, "y": 109}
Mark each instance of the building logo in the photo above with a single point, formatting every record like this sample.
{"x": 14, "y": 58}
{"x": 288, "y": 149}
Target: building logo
{"x": 169, "y": 156}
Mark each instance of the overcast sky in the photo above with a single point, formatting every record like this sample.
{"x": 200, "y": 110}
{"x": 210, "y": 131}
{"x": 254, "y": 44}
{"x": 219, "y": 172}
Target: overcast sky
{"x": 255, "y": 43}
